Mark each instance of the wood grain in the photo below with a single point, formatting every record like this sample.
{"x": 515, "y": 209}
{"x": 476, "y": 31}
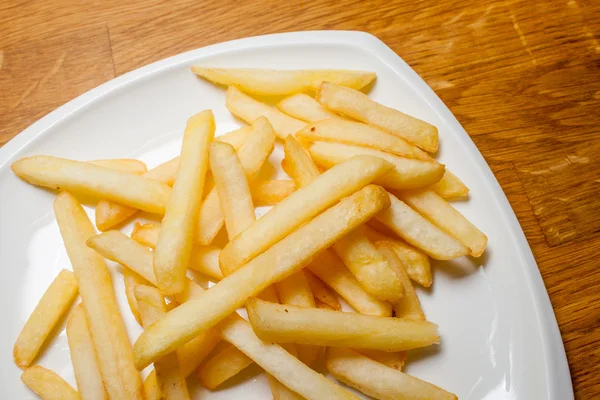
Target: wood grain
{"x": 521, "y": 76}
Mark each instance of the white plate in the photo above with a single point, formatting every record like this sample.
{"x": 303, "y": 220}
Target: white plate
{"x": 499, "y": 335}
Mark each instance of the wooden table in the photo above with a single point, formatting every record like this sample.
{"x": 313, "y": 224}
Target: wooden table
{"x": 522, "y": 77}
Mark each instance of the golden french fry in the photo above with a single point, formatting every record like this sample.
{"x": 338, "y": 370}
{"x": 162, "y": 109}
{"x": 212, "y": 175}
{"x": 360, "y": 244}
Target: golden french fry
{"x": 52, "y": 306}
{"x": 305, "y": 108}
{"x": 93, "y": 180}
{"x": 282, "y": 365}
{"x": 83, "y": 356}
{"x": 236, "y": 138}
{"x": 439, "y": 212}
{"x": 408, "y": 173}
{"x": 277, "y": 323}
{"x": 224, "y": 365}
{"x": 171, "y": 381}
{"x": 321, "y": 292}
{"x": 131, "y": 279}
{"x": 418, "y": 231}
{"x": 359, "y": 106}
{"x": 359, "y": 134}
{"x": 394, "y": 360}
{"x": 281, "y": 392}
{"x": 249, "y": 110}
{"x": 123, "y": 164}
{"x": 271, "y": 192}
{"x": 232, "y": 186}
{"x": 409, "y": 306}
{"x": 281, "y": 260}
{"x": 298, "y": 164}
{"x": 275, "y": 82}
{"x": 121, "y": 379}
{"x": 450, "y": 187}
{"x": 378, "y": 380}
{"x": 299, "y": 207}
{"x": 151, "y": 389}
{"x": 330, "y": 269}
{"x": 252, "y": 155}
{"x": 176, "y": 237}
{"x": 47, "y": 384}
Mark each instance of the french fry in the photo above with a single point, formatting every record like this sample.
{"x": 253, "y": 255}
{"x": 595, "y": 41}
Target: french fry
{"x": 394, "y": 360}
{"x": 450, "y": 187}
{"x": 252, "y": 155}
{"x": 302, "y": 106}
{"x": 151, "y": 389}
{"x": 299, "y": 207}
{"x": 176, "y": 237}
{"x": 276, "y": 361}
{"x": 419, "y": 232}
{"x": 204, "y": 259}
{"x": 439, "y": 212}
{"x": 123, "y": 164}
{"x": 224, "y": 365}
{"x": 378, "y": 380}
{"x": 121, "y": 380}
{"x": 131, "y": 279}
{"x": 321, "y": 292}
{"x": 277, "y": 323}
{"x": 271, "y": 192}
{"x": 249, "y": 110}
{"x": 47, "y": 384}
{"x": 275, "y": 82}
{"x": 359, "y": 106}
{"x": 52, "y": 306}
{"x": 299, "y": 166}
{"x": 330, "y": 269}
{"x": 236, "y": 138}
{"x": 281, "y": 260}
{"x": 408, "y": 173}
{"x": 171, "y": 382}
{"x": 83, "y": 356}
{"x": 359, "y": 134}
{"x": 409, "y": 306}
{"x": 281, "y": 392}
{"x": 93, "y": 180}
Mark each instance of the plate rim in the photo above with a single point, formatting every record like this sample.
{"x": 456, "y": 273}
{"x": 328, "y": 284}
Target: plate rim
{"x": 557, "y": 368}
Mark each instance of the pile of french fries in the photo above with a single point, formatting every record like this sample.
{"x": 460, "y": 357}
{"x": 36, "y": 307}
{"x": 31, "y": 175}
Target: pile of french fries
{"x": 364, "y": 210}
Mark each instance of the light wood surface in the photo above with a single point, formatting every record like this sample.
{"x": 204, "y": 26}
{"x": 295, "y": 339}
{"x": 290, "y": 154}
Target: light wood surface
{"x": 523, "y": 77}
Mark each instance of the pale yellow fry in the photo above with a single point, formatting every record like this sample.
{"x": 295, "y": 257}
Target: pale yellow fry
{"x": 224, "y": 365}
{"x": 282, "y": 82}
{"x": 236, "y": 138}
{"x": 93, "y": 180}
{"x": 123, "y": 164}
{"x": 438, "y": 211}
{"x": 417, "y": 264}
{"x": 359, "y": 106}
{"x": 281, "y": 260}
{"x": 271, "y": 192}
{"x": 418, "y": 231}
{"x": 357, "y": 133}
{"x": 47, "y": 384}
{"x": 131, "y": 279}
{"x": 171, "y": 381}
{"x": 408, "y": 173}
{"x": 305, "y": 108}
{"x": 115, "y": 357}
{"x": 280, "y": 391}
{"x": 83, "y": 356}
{"x": 321, "y": 292}
{"x": 395, "y": 360}
{"x": 276, "y": 361}
{"x": 165, "y": 172}
{"x": 249, "y": 110}
{"x": 330, "y": 269}
{"x": 151, "y": 389}
{"x": 450, "y": 187}
{"x": 277, "y": 323}
{"x": 409, "y": 306}
{"x": 298, "y": 164}
{"x": 299, "y": 207}
{"x": 378, "y": 380}
{"x": 52, "y": 306}
{"x": 252, "y": 155}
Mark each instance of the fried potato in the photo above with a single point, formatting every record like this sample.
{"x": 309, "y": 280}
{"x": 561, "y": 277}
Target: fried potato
{"x": 359, "y": 106}
{"x": 47, "y": 384}
{"x": 321, "y": 292}
{"x": 379, "y": 381}
{"x": 123, "y": 164}
{"x": 394, "y": 360}
{"x": 52, "y": 306}
{"x": 131, "y": 279}
{"x": 305, "y": 108}
{"x": 298, "y": 164}
{"x": 450, "y": 187}
{"x": 439, "y": 212}
{"x": 273, "y": 82}
{"x": 224, "y": 365}
{"x": 271, "y": 192}
{"x": 121, "y": 379}
{"x": 280, "y": 391}
{"x": 277, "y": 323}
{"x": 249, "y": 110}
{"x": 408, "y": 173}
{"x": 418, "y": 231}
{"x": 299, "y": 207}
{"x": 281, "y": 260}
{"x": 151, "y": 389}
